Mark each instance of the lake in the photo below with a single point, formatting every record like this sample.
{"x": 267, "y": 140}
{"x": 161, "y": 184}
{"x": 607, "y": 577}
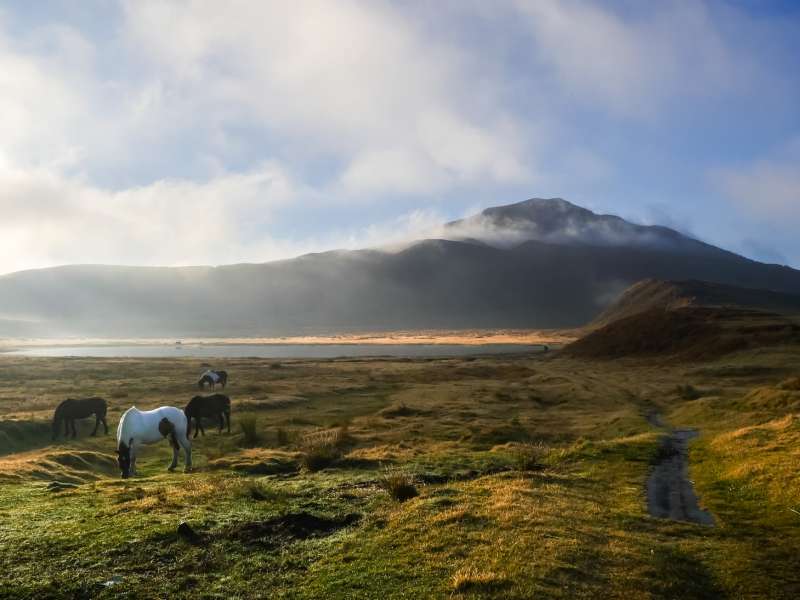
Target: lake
{"x": 277, "y": 350}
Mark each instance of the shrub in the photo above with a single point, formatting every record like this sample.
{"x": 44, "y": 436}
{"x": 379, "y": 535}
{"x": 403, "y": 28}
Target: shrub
{"x": 282, "y": 437}
{"x": 249, "y": 427}
{"x": 399, "y": 485}
{"x": 257, "y": 491}
{"x": 322, "y": 448}
{"x": 530, "y": 456}
{"x": 688, "y": 392}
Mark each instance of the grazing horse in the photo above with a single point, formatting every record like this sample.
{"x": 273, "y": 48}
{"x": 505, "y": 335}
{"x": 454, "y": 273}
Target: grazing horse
{"x": 212, "y": 378}
{"x": 137, "y": 427}
{"x": 71, "y": 409}
{"x": 216, "y": 406}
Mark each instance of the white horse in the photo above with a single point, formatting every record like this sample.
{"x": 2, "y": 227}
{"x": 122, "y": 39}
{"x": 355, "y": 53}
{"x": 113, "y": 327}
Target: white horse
{"x": 137, "y": 427}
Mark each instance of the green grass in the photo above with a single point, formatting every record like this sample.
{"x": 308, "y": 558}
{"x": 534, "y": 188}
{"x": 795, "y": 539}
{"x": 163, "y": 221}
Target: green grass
{"x": 528, "y": 473}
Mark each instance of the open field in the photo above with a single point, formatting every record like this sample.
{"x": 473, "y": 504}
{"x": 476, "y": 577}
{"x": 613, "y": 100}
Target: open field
{"x": 528, "y": 471}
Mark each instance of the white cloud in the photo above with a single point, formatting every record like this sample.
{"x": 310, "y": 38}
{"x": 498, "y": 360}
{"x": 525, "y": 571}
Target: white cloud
{"x": 355, "y": 80}
{"x": 51, "y": 219}
{"x": 632, "y": 65}
{"x": 768, "y": 189}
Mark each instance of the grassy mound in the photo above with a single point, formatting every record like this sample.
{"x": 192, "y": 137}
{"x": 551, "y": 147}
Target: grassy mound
{"x": 71, "y": 466}
{"x": 686, "y": 334}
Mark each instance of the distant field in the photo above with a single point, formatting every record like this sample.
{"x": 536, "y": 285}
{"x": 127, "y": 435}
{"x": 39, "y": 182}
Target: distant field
{"x": 529, "y": 476}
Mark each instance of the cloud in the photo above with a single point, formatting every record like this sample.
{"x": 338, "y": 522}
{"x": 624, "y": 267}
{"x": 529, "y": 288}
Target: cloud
{"x": 358, "y": 81}
{"x": 632, "y": 63}
{"x": 766, "y": 189}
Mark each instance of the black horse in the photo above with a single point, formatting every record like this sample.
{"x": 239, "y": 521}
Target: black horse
{"x": 71, "y": 409}
{"x": 215, "y": 406}
{"x": 208, "y": 378}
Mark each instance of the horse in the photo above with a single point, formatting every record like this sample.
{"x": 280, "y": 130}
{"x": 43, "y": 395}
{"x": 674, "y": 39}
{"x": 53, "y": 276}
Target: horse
{"x": 212, "y": 378}
{"x": 215, "y": 406}
{"x": 137, "y": 427}
{"x": 71, "y": 409}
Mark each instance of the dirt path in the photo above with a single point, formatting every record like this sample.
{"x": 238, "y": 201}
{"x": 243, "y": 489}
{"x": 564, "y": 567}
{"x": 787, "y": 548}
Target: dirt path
{"x": 670, "y": 493}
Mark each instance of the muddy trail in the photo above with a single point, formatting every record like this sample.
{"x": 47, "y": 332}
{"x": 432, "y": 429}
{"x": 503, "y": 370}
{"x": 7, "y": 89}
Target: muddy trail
{"x": 670, "y": 492}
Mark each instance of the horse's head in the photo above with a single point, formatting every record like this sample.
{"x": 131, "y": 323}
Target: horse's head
{"x": 201, "y": 381}
{"x": 124, "y": 458}
{"x": 58, "y": 416}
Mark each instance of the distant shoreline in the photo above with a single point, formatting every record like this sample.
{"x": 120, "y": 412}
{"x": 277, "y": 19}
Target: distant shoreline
{"x": 429, "y": 337}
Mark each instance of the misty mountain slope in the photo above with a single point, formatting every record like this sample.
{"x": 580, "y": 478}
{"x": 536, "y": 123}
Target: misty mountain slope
{"x": 557, "y": 221}
{"x": 433, "y": 283}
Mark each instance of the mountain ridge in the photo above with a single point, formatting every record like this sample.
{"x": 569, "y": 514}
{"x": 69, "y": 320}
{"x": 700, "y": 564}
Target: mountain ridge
{"x": 429, "y": 284}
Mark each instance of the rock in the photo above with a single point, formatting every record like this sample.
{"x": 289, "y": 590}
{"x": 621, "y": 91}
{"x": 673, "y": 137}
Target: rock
{"x": 58, "y": 486}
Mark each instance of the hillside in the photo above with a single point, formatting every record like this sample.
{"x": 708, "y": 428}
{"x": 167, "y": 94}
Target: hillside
{"x": 557, "y": 281}
{"x": 651, "y": 294}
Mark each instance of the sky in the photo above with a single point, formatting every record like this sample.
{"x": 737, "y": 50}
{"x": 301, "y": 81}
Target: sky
{"x": 201, "y": 132}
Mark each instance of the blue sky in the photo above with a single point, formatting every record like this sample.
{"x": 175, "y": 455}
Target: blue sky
{"x": 196, "y": 132}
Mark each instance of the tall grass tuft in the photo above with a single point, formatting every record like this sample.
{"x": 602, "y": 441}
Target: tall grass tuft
{"x": 530, "y": 456}
{"x": 399, "y": 485}
{"x": 282, "y": 437}
{"x": 320, "y": 449}
{"x": 688, "y": 392}
{"x": 249, "y": 426}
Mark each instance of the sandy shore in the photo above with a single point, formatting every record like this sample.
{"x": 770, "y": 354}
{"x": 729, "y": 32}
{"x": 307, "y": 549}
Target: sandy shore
{"x": 466, "y": 337}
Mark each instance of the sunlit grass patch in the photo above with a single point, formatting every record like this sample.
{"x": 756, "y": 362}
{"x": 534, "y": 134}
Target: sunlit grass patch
{"x": 474, "y": 579}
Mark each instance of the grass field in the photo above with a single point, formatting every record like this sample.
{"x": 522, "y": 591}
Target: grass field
{"x": 520, "y": 477}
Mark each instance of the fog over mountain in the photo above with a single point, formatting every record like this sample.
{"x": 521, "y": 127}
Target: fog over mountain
{"x": 535, "y": 264}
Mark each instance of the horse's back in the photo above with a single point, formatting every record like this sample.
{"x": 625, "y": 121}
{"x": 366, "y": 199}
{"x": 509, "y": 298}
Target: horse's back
{"x": 142, "y": 425}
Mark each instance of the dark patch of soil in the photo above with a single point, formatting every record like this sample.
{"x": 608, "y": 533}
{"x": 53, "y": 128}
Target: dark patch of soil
{"x": 289, "y": 527}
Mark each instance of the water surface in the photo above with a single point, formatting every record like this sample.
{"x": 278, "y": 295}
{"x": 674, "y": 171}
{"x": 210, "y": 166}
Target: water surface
{"x": 277, "y": 350}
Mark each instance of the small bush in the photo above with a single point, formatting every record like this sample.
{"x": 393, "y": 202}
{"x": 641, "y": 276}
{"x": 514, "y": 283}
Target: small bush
{"x": 399, "y": 485}
{"x": 530, "y": 457}
{"x": 256, "y": 491}
{"x": 792, "y": 384}
{"x": 688, "y": 392}
{"x": 249, "y": 426}
{"x": 282, "y": 437}
{"x": 320, "y": 449}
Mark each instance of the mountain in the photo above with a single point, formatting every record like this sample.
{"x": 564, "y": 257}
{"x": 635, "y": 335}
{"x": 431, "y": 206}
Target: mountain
{"x": 556, "y": 221}
{"x": 536, "y": 264}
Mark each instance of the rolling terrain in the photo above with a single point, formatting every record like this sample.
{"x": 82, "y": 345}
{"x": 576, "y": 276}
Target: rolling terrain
{"x": 543, "y": 460}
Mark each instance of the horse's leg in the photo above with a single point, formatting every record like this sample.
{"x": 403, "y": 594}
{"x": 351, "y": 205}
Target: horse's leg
{"x": 187, "y": 451}
{"x": 66, "y": 428}
{"x": 74, "y": 432}
{"x": 174, "y": 445}
{"x": 96, "y": 423}
{"x": 221, "y": 421}
{"x": 200, "y": 425}
{"x": 133, "y": 460}
{"x": 228, "y": 418}
{"x": 196, "y": 426}
{"x": 105, "y": 425}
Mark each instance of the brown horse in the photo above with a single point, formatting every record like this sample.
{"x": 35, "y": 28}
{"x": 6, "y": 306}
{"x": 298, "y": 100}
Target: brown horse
{"x": 71, "y": 409}
{"x": 216, "y": 406}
